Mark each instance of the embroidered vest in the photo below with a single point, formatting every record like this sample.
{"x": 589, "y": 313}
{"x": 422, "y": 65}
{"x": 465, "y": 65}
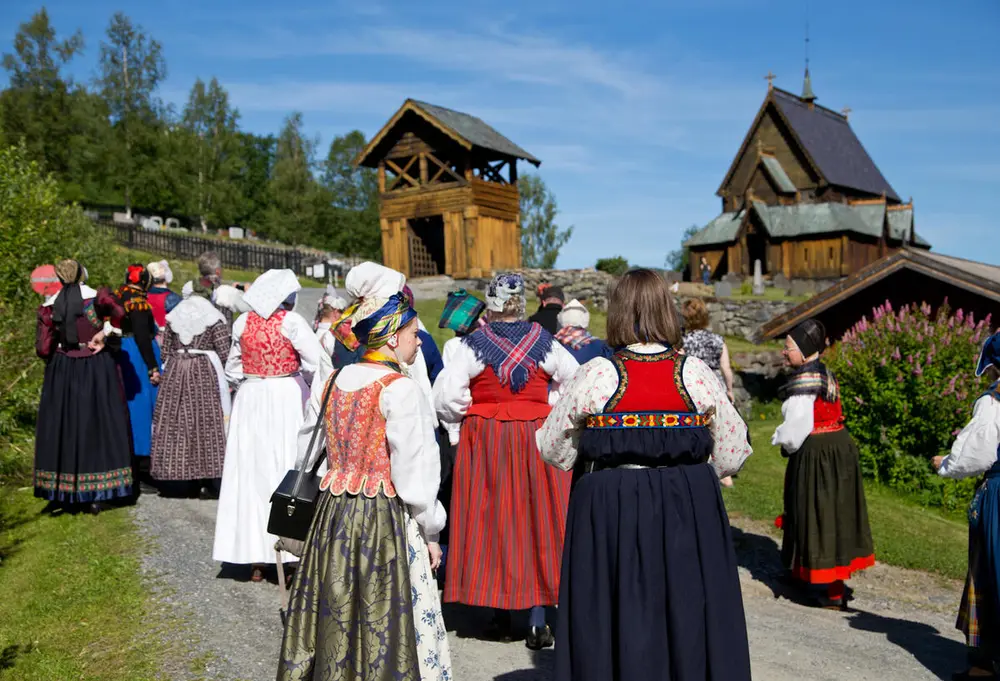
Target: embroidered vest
{"x": 828, "y": 417}
{"x": 266, "y": 351}
{"x": 357, "y": 451}
{"x": 492, "y": 400}
{"x": 651, "y": 419}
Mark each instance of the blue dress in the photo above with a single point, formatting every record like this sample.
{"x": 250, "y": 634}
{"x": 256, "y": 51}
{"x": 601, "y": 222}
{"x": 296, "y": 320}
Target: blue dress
{"x": 139, "y": 353}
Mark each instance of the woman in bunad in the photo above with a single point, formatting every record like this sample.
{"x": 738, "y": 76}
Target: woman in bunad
{"x": 193, "y": 407}
{"x": 650, "y": 586}
{"x": 975, "y": 453}
{"x": 364, "y": 606}
{"x": 272, "y": 347}
{"x": 160, "y": 297}
{"x": 139, "y": 361}
{"x": 82, "y": 448}
{"x": 826, "y": 537}
{"x": 508, "y": 509}
{"x": 331, "y": 308}
{"x": 573, "y": 334}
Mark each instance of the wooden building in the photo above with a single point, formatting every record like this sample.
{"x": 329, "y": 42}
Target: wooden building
{"x": 448, "y": 189}
{"x": 908, "y": 276}
{"x": 804, "y": 197}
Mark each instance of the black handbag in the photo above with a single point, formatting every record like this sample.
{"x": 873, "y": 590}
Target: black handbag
{"x": 293, "y": 503}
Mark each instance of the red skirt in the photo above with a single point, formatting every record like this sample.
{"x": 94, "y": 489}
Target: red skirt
{"x": 508, "y": 518}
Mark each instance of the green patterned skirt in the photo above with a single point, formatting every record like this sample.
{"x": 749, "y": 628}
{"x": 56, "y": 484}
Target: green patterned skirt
{"x": 359, "y": 609}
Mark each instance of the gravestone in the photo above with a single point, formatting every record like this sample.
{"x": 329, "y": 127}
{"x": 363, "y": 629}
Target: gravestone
{"x": 723, "y": 289}
{"x": 733, "y": 279}
{"x": 801, "y": 287}
{"x": 758, "y": 279}
{"x": 781, "y": 281}
{"x": 235, "y": 232}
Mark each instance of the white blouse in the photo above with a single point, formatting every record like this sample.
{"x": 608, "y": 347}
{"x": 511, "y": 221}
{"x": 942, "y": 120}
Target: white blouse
{"x": 797, "y": 412}
{"x": 413, "y": 450}
{"x": 315, "y": 362}
{"x": 452, "y": 397}
{"x": 448, "y": 351}
{"x": 325, "y": 338}
{"x": 597, "y": 380}
{"x": 975, "y": 448}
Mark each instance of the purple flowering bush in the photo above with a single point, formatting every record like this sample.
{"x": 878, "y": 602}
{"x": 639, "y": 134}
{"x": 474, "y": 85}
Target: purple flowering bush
{"x": 908, "y": 383}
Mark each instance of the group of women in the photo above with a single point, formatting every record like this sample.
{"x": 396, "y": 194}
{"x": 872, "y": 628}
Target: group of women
{"x": 585, "y": 474}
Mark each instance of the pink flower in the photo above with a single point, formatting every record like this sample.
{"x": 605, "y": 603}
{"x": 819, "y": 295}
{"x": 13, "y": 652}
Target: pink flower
{"x": 858, "y": 400}
{"x": 899, "y": 378}
{"x": 917, "y": 371}
{"x": 896, "y": 354}
{"x": 882, "y": 362}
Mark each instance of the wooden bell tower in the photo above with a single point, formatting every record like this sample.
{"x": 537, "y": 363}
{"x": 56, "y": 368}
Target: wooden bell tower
{"x": 448, "y": 193}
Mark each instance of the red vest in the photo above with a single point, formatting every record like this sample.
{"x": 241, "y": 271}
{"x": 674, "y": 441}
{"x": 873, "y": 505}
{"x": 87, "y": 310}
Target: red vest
{"x": 650, "y": 383}
{"x": 158, "y": 302}
{"x": 266, "y": 351}
{"x": 494, "y": 401}
{"x": 827, "y": 416}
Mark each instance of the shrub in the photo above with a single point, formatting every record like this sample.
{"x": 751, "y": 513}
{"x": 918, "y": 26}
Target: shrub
{"x": 616, "y": 265}
{"x": 35, "y": 229}
{"x": 907, "y": 384}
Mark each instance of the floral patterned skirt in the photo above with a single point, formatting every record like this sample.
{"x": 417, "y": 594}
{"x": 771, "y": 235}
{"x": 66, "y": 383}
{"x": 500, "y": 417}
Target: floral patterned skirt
{"x": 364, "y": 604}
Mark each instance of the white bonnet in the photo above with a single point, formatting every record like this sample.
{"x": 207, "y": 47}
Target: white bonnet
{"x": 574, "y": 314}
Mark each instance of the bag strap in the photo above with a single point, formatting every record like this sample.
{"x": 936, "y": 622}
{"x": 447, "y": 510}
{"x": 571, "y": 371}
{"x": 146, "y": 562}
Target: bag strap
{"x": 306, "y": 468}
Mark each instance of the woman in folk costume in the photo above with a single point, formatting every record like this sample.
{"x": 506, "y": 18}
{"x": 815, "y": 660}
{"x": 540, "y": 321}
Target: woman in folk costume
{"x": 82, "y": 449}
{"x": 650, "y": 586}
{"x": 429, "y": 354}
{"x": 508, "y": 508}
{"x": 272, "y": 347}
{"x": 331, "y": 308}
{"x": 364, "y": 605}
{"x": 975, "y": 453}
{"x": 573, "y": 322}
{"x": 193, "y": 407}
{"x": 825, "y": 521}
{"x": 139, "y": 359}
{"x": 160, "y": 297}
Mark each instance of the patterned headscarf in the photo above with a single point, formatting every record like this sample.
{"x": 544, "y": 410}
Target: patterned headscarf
{"x": 133, "y": 292}
{"x": 375, "y": 330}
{"x": 502, "y": 288}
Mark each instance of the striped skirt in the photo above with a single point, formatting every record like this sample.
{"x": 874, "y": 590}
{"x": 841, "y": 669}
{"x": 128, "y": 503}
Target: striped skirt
{"x": 508, "y": 518}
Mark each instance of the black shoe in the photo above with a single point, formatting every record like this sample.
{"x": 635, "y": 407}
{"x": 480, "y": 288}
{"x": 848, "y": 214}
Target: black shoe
{"x": 540, "y": 638}
{"x": 208, "y": 492}
{"x": 95, "y": 508}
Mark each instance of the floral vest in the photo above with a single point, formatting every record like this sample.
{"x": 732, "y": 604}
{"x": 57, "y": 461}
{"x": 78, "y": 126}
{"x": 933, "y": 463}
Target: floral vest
{"x": 357, "y": 451}
{"x": 266, "y": 351}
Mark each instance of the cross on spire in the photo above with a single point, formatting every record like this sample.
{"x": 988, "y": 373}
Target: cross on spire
{"x": 770, "y": 79}
{"x": 846, "y": 110}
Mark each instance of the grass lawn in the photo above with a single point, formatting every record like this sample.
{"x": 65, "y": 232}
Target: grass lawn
{"x": 73, "y": 605}
{"x": 905, "y": 533}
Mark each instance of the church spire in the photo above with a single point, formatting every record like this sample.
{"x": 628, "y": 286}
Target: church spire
{"x": 807, "y": 89}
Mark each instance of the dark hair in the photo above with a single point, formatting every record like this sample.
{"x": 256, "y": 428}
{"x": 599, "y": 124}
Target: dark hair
{"x": 695, "y": 314}
{"x": 641, "y": 310}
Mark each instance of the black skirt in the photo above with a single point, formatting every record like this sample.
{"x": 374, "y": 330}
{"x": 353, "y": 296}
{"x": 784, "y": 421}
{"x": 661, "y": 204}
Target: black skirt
{"x": 825, "y": 525}
{"x": 83, "y": 446}
{"x": 650, "y": 588}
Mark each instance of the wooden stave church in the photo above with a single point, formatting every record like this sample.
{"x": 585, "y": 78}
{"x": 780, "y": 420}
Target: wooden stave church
{"x": 448, "y": 197}
{"x": 803, "y": 196}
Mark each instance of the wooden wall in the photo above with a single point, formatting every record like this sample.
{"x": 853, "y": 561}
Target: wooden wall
{"x": 714, "y": 256}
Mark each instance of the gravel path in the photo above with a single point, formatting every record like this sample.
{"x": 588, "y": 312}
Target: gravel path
{"x": 902, "y": 626}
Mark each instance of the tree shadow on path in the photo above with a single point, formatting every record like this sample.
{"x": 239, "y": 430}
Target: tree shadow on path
{"x": 543, "y": 668}
{"x": 938, "y": 654}
{"x": 759, "y": 555}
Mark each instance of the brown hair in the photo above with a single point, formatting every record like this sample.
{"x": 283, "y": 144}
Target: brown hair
{"x": 641, "y": 310}
{"x": 695, "y": 315}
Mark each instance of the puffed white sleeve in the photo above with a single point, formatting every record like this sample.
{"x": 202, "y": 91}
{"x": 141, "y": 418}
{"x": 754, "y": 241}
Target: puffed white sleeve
{"x": 586, "y": 393}
{"x": 234, "y": 363}
{"x": 454, "y": 430}
{"x": 326, "y": 341}
{"x": 975, "y": 449}
{"x": 414, "y": 454}
{"x": 452, "y": 397}
{"x": 561, "y": 366}
{"x": 418, "y": 372}
{"x": 731, "y": 446}
{"x": 797, "y": 412}
{"x": 315, "y": 361}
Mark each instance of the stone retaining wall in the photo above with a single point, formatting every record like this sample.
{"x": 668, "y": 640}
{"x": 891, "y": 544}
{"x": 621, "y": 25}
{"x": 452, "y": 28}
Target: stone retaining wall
{"x": 587, "y": 285}
{"x": 756, "y": 375}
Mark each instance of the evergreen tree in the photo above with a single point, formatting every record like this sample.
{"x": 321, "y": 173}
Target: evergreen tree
{"x": 291, "y": 216}
{"x": 351, "y": 226}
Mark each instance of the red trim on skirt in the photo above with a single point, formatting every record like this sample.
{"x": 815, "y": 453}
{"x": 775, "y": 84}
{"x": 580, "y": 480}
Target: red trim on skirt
{"x": 840, "y": 572}
{"x": 508, "y": 518}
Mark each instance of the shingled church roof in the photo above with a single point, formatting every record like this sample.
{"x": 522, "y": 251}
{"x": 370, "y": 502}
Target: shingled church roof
{"x": 831, "y": 144}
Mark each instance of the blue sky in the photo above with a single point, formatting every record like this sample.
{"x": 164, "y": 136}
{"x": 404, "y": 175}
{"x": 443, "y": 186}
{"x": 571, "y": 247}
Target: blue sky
{"x": 636, "y": 109}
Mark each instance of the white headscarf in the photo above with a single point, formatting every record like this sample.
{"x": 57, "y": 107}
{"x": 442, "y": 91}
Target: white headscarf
{"x": 574, "y": 314}
{"x": 160, "y": 272}
{"x": 270, "y": 290}
{"x": 370, "y": 285}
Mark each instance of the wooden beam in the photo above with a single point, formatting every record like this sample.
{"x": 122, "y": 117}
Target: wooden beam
{"x": 423, "y": 169}
{"x": 381, "y": 177}
{"x": 401, "y": 172}
{"x": 513, "y": 172}
{"x": 409, "y": 105}
{"x": 444, "y": 168}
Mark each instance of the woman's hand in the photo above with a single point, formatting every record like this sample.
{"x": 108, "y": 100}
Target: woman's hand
{"x": 96, "y": 343}
{"x": 154, "y": 377}
{"x": 936, "y": 462}
{"x": 434, "y": 549}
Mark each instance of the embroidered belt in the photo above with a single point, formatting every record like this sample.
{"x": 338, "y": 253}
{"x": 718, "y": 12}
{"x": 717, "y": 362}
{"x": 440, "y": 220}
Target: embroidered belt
{"x": 647, "y": 419}
{"x": 827, "y": 428}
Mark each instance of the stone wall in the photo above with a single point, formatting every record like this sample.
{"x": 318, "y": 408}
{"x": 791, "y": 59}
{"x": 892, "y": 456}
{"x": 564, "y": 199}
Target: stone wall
{"x": 587, "y": 285}
{"x": 741, "y": 317}
{"x": 756, "y": 375}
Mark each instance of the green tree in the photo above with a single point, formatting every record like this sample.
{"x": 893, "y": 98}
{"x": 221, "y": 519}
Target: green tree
{"x": 541, "y": 238}
{"x": 677, "y": 260}
{"x": 213, "y": 164}
{"x": 616, "y": 265}
{"x": 41, "y": 105}
{"x": 131, "y": 68}
{"x": 257, "y": 153}
{"x": 291, "y": 216}
{"x": 351, "y": 225}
